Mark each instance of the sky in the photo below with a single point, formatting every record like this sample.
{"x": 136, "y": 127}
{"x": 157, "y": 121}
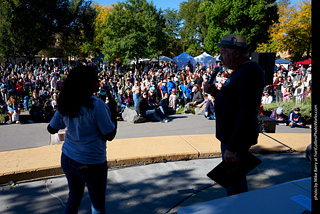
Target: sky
{"x": 163, "y": 4}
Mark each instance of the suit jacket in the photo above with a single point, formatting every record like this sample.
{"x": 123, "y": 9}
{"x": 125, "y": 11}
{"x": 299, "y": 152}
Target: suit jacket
{"x": 237, "y": 105}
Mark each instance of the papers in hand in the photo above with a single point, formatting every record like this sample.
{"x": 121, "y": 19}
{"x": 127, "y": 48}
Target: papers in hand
{"x": 226, "y": 174}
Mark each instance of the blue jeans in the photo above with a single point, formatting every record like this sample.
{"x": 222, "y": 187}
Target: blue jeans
{"x": 241, "y": 185}
{"x": 154, "y": 112}
{"x": 94, "y": 176}
{"x": 210, "y": 116}
{"x": 294, "y": 124}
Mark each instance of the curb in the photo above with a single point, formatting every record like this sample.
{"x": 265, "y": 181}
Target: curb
{"x": 33, "y": 163}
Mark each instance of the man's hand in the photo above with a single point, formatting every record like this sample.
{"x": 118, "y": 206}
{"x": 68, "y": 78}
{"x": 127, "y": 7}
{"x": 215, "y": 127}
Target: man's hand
{"x": 230, "y": 157}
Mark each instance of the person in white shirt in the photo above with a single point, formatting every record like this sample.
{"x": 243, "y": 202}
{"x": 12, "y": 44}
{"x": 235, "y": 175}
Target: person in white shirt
{"x": 298, "y": 92}
{"x": 309, "y": 76}
{"x": 266, "y": 98}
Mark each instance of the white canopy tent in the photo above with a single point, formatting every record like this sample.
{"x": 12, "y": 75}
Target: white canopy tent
{"x": 205, "y": 59}
{"x": 165, "y": 58}
{"x": 140, "y": 60}
{"x": 162, "y": 58}
{"x": 183, "y": 59}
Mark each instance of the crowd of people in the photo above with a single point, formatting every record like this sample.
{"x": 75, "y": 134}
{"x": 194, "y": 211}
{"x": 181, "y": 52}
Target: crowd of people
{"x": 155, "y": 90}
{"x": 289, "y": 84}
{"x": 292, "y": 83}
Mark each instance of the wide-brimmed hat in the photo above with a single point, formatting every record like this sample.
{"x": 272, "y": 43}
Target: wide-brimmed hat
{"x": 233, "y": 41}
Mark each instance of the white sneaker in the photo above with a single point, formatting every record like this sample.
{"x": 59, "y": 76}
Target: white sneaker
{"x": 165, "y": 120}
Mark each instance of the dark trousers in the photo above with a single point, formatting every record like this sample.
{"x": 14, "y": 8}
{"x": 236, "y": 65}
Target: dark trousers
{"x": 239, "y": 186}
{"x": 94, "y": 176}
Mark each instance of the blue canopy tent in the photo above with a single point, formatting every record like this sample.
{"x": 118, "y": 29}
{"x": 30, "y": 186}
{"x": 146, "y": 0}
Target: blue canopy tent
{"x": 97, "y": 58}
{"x": 183, "y": 59}
{"x": 282, "y": 61}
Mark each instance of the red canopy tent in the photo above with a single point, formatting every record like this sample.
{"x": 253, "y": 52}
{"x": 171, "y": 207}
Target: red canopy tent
{"x": 304, "y": 62}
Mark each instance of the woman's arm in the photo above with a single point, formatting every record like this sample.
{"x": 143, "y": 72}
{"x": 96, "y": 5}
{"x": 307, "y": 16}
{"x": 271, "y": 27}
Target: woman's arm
{"x": 110, "y": 136}
{"x": 52, "y": 130}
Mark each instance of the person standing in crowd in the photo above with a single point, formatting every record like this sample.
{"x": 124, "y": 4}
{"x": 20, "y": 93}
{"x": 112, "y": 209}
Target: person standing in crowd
{"x": 298, "y": 92}
{"x": 20, "y": 89}
{"x": 171, "y": 84}
{"x": 237, "y": 103}
{"x": 307, "y": 93}
{"x": 287, "y": 94}
{"x": 288, "y": 83}
{"x": 90, "y": 123}
{"x": 277, "y": 86}
{"x": 164, "y": 88}
{"x": 173, "y": 99}
{"x": 136, "y": 95}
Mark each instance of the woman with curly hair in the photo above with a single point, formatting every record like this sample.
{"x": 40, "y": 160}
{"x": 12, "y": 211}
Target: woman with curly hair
{"x": 90, "y": 123}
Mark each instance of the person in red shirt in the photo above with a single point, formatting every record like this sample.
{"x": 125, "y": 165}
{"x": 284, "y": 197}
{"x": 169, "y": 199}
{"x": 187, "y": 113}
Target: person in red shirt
{"x": 20, "y": 89}
{"x": 277, "y": 84}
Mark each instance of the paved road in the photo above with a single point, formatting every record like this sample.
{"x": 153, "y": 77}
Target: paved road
{"x": 19, "y": 136}
{"x": 156, "y": 188}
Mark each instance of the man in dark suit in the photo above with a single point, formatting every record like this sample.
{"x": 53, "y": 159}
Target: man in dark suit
{"x": 237, "y": 103}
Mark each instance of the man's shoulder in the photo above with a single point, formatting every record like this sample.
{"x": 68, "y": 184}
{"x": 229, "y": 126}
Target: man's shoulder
{"x": 250, "y": 70}
{"x": 251, "y": 66}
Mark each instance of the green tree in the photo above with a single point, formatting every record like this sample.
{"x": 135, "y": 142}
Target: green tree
{"x": 95, "y": 47}
{"x": 134, "y": 29}
{"x": 173, "y": 25}
{"x": 194, "y": 29}
{"x": 26, "y": 26}
{"x": 29, "y": 26}
{"x": 293, "y": 32}
{"x": 250, "y": 18}
{"x": 77, "y": 29}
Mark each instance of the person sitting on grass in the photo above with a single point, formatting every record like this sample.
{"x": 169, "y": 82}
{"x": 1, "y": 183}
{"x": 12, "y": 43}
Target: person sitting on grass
{"x": 197, "y": 99}
{"x": 13, "y": 110}
{"x": 35, "y": 106}
{"x": 295, "y": 119}
{"x": 48, "y": 111}
{"x": 147, "y": 111}
{"x": 165, "y": 105}
{"x": 152, "y": 99}
{"x": 278, "y": 115}
{"x": 209, "y": 111}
